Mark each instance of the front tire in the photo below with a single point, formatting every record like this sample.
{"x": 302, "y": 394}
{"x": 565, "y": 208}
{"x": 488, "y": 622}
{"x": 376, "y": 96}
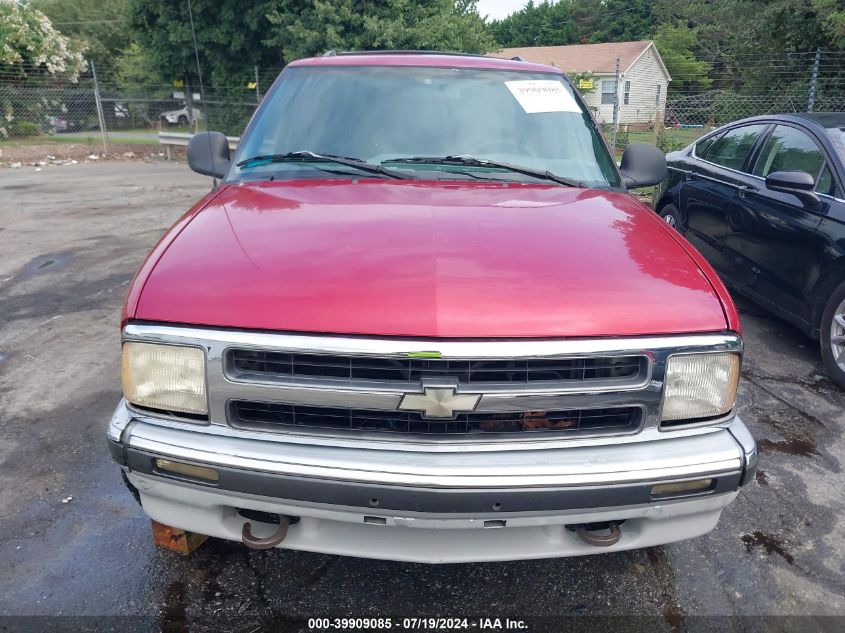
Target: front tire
{"x": 672, "y": 216}
{"x": 832, "y": 331}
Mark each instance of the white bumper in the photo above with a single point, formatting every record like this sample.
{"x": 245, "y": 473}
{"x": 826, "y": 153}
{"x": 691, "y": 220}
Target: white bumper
{"x": 434, "y": 507}
{"x": 425, "y": 538}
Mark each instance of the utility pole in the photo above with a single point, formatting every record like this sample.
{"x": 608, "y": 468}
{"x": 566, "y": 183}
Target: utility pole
{"x": 811, "y": 99}
{"x": 100, "y": 117}
{"x": 615, "y": 111}
{"x": 257, "y": 87}
{"x": 189, "y": 104}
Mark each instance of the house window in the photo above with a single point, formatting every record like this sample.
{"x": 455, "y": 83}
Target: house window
{"x": 627, "y": 92}
{"x": 657, "y": 96}
{"x": 608, "y": 91}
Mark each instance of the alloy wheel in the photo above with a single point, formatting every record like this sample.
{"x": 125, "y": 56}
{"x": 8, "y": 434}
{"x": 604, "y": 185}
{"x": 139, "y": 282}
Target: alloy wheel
{"x": 837, "y": 335}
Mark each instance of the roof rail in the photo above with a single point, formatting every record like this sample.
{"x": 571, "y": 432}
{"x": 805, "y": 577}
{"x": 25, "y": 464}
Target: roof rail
{"x": 400, "y": 52}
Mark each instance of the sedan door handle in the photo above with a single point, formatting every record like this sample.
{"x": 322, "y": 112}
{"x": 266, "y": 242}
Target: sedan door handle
{"x": 744, "y": 190}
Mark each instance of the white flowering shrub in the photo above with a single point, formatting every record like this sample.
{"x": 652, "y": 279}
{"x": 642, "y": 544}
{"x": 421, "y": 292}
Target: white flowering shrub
{"x": 31, "y": 50}
{"x": 29, "y": 41}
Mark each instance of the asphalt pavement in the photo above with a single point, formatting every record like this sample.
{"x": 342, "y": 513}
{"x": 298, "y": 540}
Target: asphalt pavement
{"x": 73, "y": 542}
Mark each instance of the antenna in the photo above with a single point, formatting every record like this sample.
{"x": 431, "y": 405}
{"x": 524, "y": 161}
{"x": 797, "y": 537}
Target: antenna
{"x": 199, "y": 75}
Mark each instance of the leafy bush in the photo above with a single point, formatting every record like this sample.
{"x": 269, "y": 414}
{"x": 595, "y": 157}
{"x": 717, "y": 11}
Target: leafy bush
{"x": 670, "y": 142}
{"x": 23, "y": 128}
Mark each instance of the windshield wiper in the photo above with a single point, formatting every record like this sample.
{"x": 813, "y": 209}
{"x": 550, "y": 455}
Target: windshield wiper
{"x": 467, "y": 160}
{"x": 305, "y": 156}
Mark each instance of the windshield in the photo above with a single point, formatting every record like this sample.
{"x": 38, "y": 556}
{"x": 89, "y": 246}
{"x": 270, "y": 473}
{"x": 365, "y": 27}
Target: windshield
{"x": 385, "y": 114}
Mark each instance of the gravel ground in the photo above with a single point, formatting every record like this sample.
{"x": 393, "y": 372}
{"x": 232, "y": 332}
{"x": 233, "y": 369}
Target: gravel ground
{"x": 59, "y": 153}
{"x": 73, "y": 542}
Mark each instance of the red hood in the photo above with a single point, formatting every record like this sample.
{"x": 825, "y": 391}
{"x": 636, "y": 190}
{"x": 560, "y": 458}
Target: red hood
{"x": 428, "y": 260}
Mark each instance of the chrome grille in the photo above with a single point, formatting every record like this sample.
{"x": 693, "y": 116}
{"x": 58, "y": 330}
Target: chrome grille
{"x": 269, "y": 416}
{"x": 262, "y": 369}
{"x": 245, "y": 363}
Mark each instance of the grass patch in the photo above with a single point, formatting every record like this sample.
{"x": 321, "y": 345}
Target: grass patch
{"x": 95, "y": 141}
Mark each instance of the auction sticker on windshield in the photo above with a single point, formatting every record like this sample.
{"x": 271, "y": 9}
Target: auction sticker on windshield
{"x": 540, "y": 95}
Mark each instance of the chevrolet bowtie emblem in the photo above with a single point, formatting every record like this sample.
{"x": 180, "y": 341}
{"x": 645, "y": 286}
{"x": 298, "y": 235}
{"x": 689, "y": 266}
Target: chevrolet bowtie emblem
{"x": 438, "y": 402}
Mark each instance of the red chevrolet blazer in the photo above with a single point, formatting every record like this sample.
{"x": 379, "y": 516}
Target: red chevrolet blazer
{"x": 420, "y": 318}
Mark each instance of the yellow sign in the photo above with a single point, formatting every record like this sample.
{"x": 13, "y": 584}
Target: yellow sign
{"x": 585, "y": 84}
{"x": 178, "y": 83}
{"x": 251, "y": 85}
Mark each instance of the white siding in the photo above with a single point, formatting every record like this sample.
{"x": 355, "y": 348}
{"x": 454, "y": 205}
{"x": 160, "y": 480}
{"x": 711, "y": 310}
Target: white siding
{"x": 603, "y": 113}
{"x": 645, "y": 75}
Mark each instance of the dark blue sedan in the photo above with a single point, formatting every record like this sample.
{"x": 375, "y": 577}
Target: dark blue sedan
{"x": 763, "y": 200}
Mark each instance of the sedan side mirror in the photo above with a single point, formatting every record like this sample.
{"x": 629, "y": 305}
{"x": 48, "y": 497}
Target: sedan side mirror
{"x": 208, "y": 154}
{"x": 799, "y": 183}
{"x": 642, "y": 166}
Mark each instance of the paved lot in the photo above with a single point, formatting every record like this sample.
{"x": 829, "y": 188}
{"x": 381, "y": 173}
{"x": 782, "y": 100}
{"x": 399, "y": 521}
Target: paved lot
{"x": 70, "y": 239}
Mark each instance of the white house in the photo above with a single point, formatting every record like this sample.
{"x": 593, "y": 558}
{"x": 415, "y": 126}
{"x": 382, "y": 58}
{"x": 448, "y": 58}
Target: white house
{"x": 643, "y": 77}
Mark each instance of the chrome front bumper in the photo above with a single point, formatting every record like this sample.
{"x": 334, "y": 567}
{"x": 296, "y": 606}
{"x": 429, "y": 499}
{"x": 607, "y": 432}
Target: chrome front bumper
{"x": 361, "y": 501}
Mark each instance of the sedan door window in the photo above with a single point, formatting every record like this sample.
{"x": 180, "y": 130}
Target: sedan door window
{"x": 789, "y": 149}
{"x": 825, "y": 183}
{"x": 732, "y": 149}
{"x": 704, "y": 145}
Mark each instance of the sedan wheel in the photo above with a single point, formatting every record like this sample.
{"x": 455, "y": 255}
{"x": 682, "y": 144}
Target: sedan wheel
{"x": 837, "y": 336}
{"x": 833, "y": 335}
{"x": 672, "y": 216}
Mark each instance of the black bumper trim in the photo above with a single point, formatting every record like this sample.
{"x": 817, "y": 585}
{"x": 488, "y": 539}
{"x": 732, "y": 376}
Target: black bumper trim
{"x": 117, "y": 451}
{"x": 372, "y": 497}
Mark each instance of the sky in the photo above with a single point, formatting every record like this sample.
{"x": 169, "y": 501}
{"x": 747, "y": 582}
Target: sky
{"x": 498, "y": 9}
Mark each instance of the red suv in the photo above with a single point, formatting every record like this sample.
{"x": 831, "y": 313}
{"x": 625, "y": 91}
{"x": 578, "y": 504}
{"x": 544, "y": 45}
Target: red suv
{"x": 420, "y": 318}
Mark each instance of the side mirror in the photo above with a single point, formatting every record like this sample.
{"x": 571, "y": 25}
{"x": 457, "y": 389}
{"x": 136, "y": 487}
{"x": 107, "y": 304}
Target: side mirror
{"x": 799, "y": 183}
{"x": 208, "y": 154}
{"x": 642, "y": 166}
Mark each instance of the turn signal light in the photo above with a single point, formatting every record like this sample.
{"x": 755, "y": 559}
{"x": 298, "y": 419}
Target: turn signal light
{"x": 681, "y": 488}
{"x": 187, "y": 470}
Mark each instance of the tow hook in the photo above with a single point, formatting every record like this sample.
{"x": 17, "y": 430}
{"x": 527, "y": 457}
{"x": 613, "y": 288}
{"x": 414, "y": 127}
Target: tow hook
{"x": 599, "y": 535}
{"x": 253, "y": 542}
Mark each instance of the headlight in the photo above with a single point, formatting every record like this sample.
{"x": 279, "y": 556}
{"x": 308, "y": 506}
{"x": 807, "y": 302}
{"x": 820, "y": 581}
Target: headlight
{"x": 167, "y": 377}
{"x": 699, "y": 386}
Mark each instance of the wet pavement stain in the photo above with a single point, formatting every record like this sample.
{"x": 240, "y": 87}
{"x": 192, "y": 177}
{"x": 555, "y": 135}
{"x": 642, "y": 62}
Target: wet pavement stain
{"x": 674, "y": 618}
{"x": 762, "y": 478}
{"x": 798, "y": 446}
{"x": 63, "y": 298}
{"x": 672, "y": 613}
{"x": 771, "y": 543}
{"x": 756, "y": 379}
{"x": 174, "y": 613}
{"x": 42, "y": 264}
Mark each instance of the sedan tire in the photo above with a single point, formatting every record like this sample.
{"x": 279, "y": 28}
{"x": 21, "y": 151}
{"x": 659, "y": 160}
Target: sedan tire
{"x": 832, "y": 330}
{"x": 672, "y": 216}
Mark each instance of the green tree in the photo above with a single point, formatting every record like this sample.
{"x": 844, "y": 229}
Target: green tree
{"x": 229, "y": 42}
{"x": 623, "y": 21}
{"x": 676, "y": 45}
{"x": 543, "y": 24}
{"x": 832, "y": 13}
{"x": 301, "y": 28}
{"x": 229, "y": 37}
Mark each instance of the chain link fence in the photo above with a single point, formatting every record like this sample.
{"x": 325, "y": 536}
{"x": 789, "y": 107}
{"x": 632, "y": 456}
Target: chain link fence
{"x": 712, "y": 96}
{"x": 105, "y": 109}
